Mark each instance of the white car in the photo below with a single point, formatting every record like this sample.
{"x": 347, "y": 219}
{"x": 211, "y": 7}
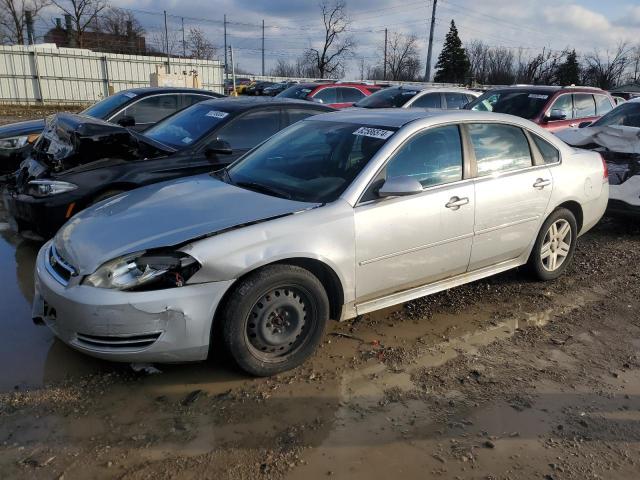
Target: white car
{"x": 338, "y": 215}
{"x": 406, "y": 96}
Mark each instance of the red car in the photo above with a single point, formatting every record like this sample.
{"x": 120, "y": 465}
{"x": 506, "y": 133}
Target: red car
{"x": 553, "y": 108}
{"x": 336, "y": 95}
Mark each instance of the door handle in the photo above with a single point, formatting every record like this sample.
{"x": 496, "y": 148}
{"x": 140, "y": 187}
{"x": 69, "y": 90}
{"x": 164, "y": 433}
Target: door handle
{"x": 541, "y": 183}
{"x": 456, "y": 202}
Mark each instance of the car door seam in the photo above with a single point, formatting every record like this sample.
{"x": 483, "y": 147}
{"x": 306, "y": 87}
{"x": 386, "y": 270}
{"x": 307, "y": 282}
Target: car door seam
{"x": 506, "y": 225}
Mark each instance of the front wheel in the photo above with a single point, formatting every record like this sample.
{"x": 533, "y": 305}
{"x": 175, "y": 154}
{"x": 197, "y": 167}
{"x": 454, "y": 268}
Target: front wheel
{"x": 275, "y": 319}
{"x": 555, "y": 245}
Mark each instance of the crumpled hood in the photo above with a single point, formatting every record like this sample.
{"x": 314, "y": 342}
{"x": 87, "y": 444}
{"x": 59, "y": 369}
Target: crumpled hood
{"x": 21, "y": 128}
{"x": 616, "y": 138}
{"x": 161, "y": 215}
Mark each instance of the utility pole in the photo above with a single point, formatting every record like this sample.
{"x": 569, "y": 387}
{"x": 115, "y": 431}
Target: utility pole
{"x": 384, "y": 65}
{"x": 28, "y": 19}
{"x": 427, "y": 73}
{"x": 226, "y": 71}
{"x": 184, "y": 45}
{"x": 233, "y": 72}
{"x": 263, "y": 48}
{"x": 166, "y": 41}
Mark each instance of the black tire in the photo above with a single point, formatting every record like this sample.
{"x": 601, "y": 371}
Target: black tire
{"x": 540, "y": 267}
{"x": 104, "y": 195}
{"x": 274, "y": 319}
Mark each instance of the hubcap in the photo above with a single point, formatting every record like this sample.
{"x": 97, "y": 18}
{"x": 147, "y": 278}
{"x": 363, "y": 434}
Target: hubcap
{"x": 556, "y": 245}
{"x": 278, "y": 321}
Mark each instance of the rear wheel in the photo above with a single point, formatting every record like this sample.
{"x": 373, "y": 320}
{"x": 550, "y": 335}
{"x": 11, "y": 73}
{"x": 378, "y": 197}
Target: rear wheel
{"x": 275, "y": 319}
{"x": 555, "y": 245}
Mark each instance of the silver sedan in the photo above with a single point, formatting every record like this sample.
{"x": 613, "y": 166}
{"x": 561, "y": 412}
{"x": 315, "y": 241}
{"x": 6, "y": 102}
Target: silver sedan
{"x": 338, "y": 215}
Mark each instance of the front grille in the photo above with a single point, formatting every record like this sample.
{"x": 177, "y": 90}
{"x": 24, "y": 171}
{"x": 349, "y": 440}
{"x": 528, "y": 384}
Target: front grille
{"x": 58, "y": 266}
{"x": 120, "y": 342}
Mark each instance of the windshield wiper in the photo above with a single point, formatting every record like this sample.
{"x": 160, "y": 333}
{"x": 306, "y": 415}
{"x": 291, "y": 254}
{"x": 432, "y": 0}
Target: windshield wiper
{"x": 269, "y": 190}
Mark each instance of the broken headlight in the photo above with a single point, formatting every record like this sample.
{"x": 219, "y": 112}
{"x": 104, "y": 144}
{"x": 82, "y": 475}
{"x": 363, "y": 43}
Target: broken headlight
{"x": 13, "y": 143}
{"x": 145, "y": 271}
{"x": 46, "y": 188}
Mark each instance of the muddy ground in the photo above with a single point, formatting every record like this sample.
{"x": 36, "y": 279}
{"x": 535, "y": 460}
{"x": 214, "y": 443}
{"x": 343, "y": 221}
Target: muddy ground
{"x": 505, "y": 378}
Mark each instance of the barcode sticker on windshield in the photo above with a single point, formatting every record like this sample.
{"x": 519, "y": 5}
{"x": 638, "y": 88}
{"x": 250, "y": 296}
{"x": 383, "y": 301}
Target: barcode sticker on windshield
{"x": 536, "y": 95}
{"x": 373, "y": 132}
{"x": 130, "y": 95}
{"x": 216, "y": 114}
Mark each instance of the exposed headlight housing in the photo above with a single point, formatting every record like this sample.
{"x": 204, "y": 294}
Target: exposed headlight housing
{"x": 14, "y": 143}
{"x": 145, "y": 271}
{"x": 46, "y": 188}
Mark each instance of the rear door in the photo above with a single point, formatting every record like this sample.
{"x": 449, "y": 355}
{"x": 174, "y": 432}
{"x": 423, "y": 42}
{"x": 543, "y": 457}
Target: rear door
{"x": 428, "y": 100}
{"x": 584, "y": 108}
{"x": 347, "y": 96}
{"x": 511, "y": 191}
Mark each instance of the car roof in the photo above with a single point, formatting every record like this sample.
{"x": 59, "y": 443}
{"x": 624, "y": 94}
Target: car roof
{"x": 233, "y": 104}
{"x": 546, "y": 89}
{"x": 151, "y": 90}
{"x": 398, "y": 117}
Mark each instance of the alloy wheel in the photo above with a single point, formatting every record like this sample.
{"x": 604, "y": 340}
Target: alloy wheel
{"x": 556, "y": 245}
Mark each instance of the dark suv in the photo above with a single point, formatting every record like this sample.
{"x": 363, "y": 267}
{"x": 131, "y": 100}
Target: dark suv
{"x": 553, "y": 108}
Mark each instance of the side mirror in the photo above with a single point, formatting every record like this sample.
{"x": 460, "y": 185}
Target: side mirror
{"x": 218, "y": 147}
{"x": 557, "y": 114}
{"x": 584, "y": 124}
{"x": 127, "y": 121}
{"x": 400, "y": 187}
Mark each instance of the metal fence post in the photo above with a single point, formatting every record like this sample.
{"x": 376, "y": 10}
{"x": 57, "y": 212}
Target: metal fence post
{"x": 36, "y": 71}
{"x": 105, "y": 63}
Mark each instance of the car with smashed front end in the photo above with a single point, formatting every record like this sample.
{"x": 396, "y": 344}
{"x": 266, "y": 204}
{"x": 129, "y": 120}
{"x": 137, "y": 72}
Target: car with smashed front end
{"x": 80, "y": 161}
{"x": 338, "y": 215}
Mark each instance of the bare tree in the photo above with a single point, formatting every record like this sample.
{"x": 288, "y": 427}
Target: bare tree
{"x": 298, "y": 68}
{"x": 478, "y": 53}
{"x": 606, "y": 70}
{"x": 338, "y": 45}
{"x": 13, "y": 18}
{"x": 84, "y": 13}
{"x": 500, "y": 66}
{"x": 403, "y": 62}
{"x": 158, "y": 42}
{"x": 116, "y": 21}
{"x": 199, "y": 45}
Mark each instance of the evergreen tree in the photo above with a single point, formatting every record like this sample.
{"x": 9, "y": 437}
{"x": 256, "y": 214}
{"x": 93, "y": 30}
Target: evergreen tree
{"x": 453, "y": 63}
{"x": 568, "y": 72}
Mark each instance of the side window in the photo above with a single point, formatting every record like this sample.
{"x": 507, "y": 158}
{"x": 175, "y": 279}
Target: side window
{"x": 296, "y": 114}
{"x": 549, "y": 153}
{"x": 250, "y": 129}
{"x": 584, "y": 105}
{"x": 151, "y": 109}
{"x": 470, "y": 98}
{"x": 432, "y": 157}
{"x": 327, "y": 95}
{"x": 430, "y": 100}
{"x": 499, "y": 148}
{"x": 564, "y": 103}
{"x": 190, "y": 99}
{"x": 455, "y": 101}
{"x": 349, "y": 95}
{"x": 603, "y": 104}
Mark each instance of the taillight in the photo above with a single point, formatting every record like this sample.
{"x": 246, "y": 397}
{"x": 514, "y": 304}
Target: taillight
{"x": 605, "y": 168}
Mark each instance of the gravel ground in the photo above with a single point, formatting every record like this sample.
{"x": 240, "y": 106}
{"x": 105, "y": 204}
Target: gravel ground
{"x": 504, "y": 378}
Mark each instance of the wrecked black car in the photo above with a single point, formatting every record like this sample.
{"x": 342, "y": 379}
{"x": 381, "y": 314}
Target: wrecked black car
{"x": 79, "y": 160}
{"x": 137, "y": 108}
{"x": 616, "y": 136}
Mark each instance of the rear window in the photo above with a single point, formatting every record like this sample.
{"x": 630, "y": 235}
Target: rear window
{"x": 603, "y": 104}
{"x": 525, "y": 104}
{"x": 584, "y": 105}
{"x": 393, "y": 97}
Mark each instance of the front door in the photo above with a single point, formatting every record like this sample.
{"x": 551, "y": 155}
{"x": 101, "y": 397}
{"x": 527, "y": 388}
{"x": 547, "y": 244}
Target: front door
{"x": 512, "y": 194}
{"x": 403, "y": 242}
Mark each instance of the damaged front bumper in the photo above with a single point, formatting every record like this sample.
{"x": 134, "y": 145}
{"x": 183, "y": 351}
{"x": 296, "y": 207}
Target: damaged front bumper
{"x": 171, "y": 325}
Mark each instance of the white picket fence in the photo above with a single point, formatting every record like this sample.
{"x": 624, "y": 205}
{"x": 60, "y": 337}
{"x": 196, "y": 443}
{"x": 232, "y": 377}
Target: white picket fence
{"x": 44, "y": 74}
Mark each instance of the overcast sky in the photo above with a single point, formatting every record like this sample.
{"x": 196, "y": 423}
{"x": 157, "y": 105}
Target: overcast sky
{"x": 293, "y": 25}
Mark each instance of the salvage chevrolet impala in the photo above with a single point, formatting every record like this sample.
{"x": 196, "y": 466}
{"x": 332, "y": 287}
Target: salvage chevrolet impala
{"x": 338, "y": 215}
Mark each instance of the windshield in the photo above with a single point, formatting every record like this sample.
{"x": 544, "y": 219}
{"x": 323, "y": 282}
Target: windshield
{"x": 388, "y": 98}
{"x": 104, "y": 107}
{"x": 297, "y": 91}
{"x": 311, "y": 161}
{"x": 627, "y": 114}
{"x": 187, "y": 126}
{"x": 525, "y": 104}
